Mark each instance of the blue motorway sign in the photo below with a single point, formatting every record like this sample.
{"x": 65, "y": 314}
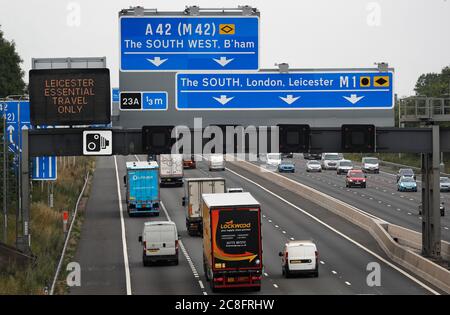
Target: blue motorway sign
{"x": 44, "y": 168}
{"x": 17, "y": 118}
{"x": 284, "y": 91}
{"x": 115, "y": 95}
{"x": 143, "y": 101}
{"x": 162, "y": 43}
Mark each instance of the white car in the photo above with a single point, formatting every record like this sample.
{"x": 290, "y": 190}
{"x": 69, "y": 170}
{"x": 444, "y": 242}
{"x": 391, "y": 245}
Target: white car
{"x": 160, "y": 242}
{"x": 344, "y": 166}
{"x": 273, "y": 159}
{"x": 370, "y": 165}
{"x": 330, "y": 160}
{"x": 313, "y": 166}
{"x": 299, "y": 257}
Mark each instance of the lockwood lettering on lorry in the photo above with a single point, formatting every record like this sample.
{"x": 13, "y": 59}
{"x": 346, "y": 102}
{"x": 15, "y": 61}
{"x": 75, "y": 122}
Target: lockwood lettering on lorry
{"x": 231, "y": 225}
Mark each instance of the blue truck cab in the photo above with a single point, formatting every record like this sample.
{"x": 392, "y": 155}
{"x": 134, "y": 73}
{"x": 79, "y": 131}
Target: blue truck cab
{"x": 142, "y": 185}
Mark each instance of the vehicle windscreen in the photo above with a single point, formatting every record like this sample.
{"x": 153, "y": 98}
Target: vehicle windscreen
{"x": 345, "y": 164}
{"x": 445, "y": 180}
{"x": 332, "y": 157}
{"x": 371, "y": 161}
{"x": 408, "y": 180}
{"x": 407, "y": 172}
{"x": 314, "y": 163}
{"x": 356, "y": 174}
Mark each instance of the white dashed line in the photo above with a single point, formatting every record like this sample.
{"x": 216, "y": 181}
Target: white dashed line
{"x": 409, "y": 213}
{"x": 389, "y": 205}
{"x": 399, "y": 209}
{"x": 445, "y": 227}
{"x": 276, "y": 226}
{"x": 266, "y": 274}
{"x": 322, "y": 262}
{"x": 270, "y": 221}
{"x": 347, "y": 283}
{"x": 275, "y": 285}
{"x": 201, "y": 284}
{"x": 333, "y": 272}
{"x": 292, "y": 238}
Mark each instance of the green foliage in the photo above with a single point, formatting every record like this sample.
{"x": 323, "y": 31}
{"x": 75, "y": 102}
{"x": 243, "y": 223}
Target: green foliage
{"x": 11, "y": 75}
{"x": 46, "y": 230}
{"x": 434, "y": 84}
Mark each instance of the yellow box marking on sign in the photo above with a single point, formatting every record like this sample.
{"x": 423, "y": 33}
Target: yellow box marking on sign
{"x": 364, "y": 81}
{"x": 227, "y": 29}
{"x": 381, "y": 81}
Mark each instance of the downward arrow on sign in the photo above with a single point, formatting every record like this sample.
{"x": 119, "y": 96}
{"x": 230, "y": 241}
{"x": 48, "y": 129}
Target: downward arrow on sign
{"x": 289, "y": 99}
{"x": 353, "y": 98}
{"x": 157, "y": 61}
{"x": 223, "y": 61}
{"x": 223, "y": 99}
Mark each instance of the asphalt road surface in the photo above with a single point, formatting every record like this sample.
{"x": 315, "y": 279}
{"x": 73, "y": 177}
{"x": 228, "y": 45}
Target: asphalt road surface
{"x": 111, "y": 256}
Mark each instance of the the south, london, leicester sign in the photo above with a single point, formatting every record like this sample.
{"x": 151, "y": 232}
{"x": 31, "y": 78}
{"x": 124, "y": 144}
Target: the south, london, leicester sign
{"x": 70, "y": 96}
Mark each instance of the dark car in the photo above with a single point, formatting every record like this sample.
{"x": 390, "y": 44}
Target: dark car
{"x": 405, "y": 172}
{"x": 287, "y": 155}
{"x": 312, "y": 156}
{"x": 355, "y": 178}
{"x": 441, "y": 209}
{"x": 189, "y": 162}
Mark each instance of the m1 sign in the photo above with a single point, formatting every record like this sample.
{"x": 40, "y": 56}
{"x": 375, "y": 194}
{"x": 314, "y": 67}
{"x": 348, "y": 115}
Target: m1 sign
{"x": 70, "y": 96}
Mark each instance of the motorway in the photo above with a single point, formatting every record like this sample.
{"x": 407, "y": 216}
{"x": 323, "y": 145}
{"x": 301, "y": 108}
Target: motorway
{"x": 380, "y": 198}
{"x": 111, "y": 256}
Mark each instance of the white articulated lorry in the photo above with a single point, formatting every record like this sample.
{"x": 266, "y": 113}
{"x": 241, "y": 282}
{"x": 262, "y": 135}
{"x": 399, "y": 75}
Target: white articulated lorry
{"x": 171, "y": 169}
{"x": 192, "y": 200}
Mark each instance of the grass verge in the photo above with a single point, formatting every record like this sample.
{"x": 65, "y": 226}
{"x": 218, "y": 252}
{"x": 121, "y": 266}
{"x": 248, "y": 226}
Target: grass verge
{"x": 46, "y": 228}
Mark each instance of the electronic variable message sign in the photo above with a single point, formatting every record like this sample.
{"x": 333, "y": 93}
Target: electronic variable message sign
{"x": 70, "y": 96}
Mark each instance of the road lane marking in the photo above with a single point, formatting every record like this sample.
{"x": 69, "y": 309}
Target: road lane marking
{"x": 275, "y": 285}
{"x": 333, "y": 272}
{"x": 347, "y": 283}
{"x": 183, "y": 249}
{"x": 367, "y": 250}
{"x": 124, "y": 239}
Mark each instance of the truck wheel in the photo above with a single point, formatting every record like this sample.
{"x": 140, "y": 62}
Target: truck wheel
{"x": 205, "y": 270}
{"x": 287, "y": 274}
{"x": 145, "y": 262}
{"x": 213, "y": 287}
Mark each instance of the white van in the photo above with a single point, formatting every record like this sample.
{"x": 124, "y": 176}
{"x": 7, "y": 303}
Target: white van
{"x": 330, "y": 161}
{"x": 160, "y": 242}
{"x": 273, "y": 159}
{"x": 299, "y": 257}
{"x": 216, "y": 162}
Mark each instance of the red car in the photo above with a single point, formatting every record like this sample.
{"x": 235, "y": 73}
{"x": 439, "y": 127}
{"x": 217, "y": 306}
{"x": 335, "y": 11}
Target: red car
{"x": 189, "y": 163}
{"x": 355, "y": 178}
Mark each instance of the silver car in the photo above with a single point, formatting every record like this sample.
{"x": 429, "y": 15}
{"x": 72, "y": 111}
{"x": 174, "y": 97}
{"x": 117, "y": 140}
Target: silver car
{"x": 313, "y": 166}
{"x": 344, "y": 166}
{"x": 444, "y": 183}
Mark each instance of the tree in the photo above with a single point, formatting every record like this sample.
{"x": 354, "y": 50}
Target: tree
{"x": 434, "y": 84}
{"x": 11, "y": 75}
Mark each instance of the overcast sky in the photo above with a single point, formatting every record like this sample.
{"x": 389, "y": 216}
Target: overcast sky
{"x": 413, "y": 36}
